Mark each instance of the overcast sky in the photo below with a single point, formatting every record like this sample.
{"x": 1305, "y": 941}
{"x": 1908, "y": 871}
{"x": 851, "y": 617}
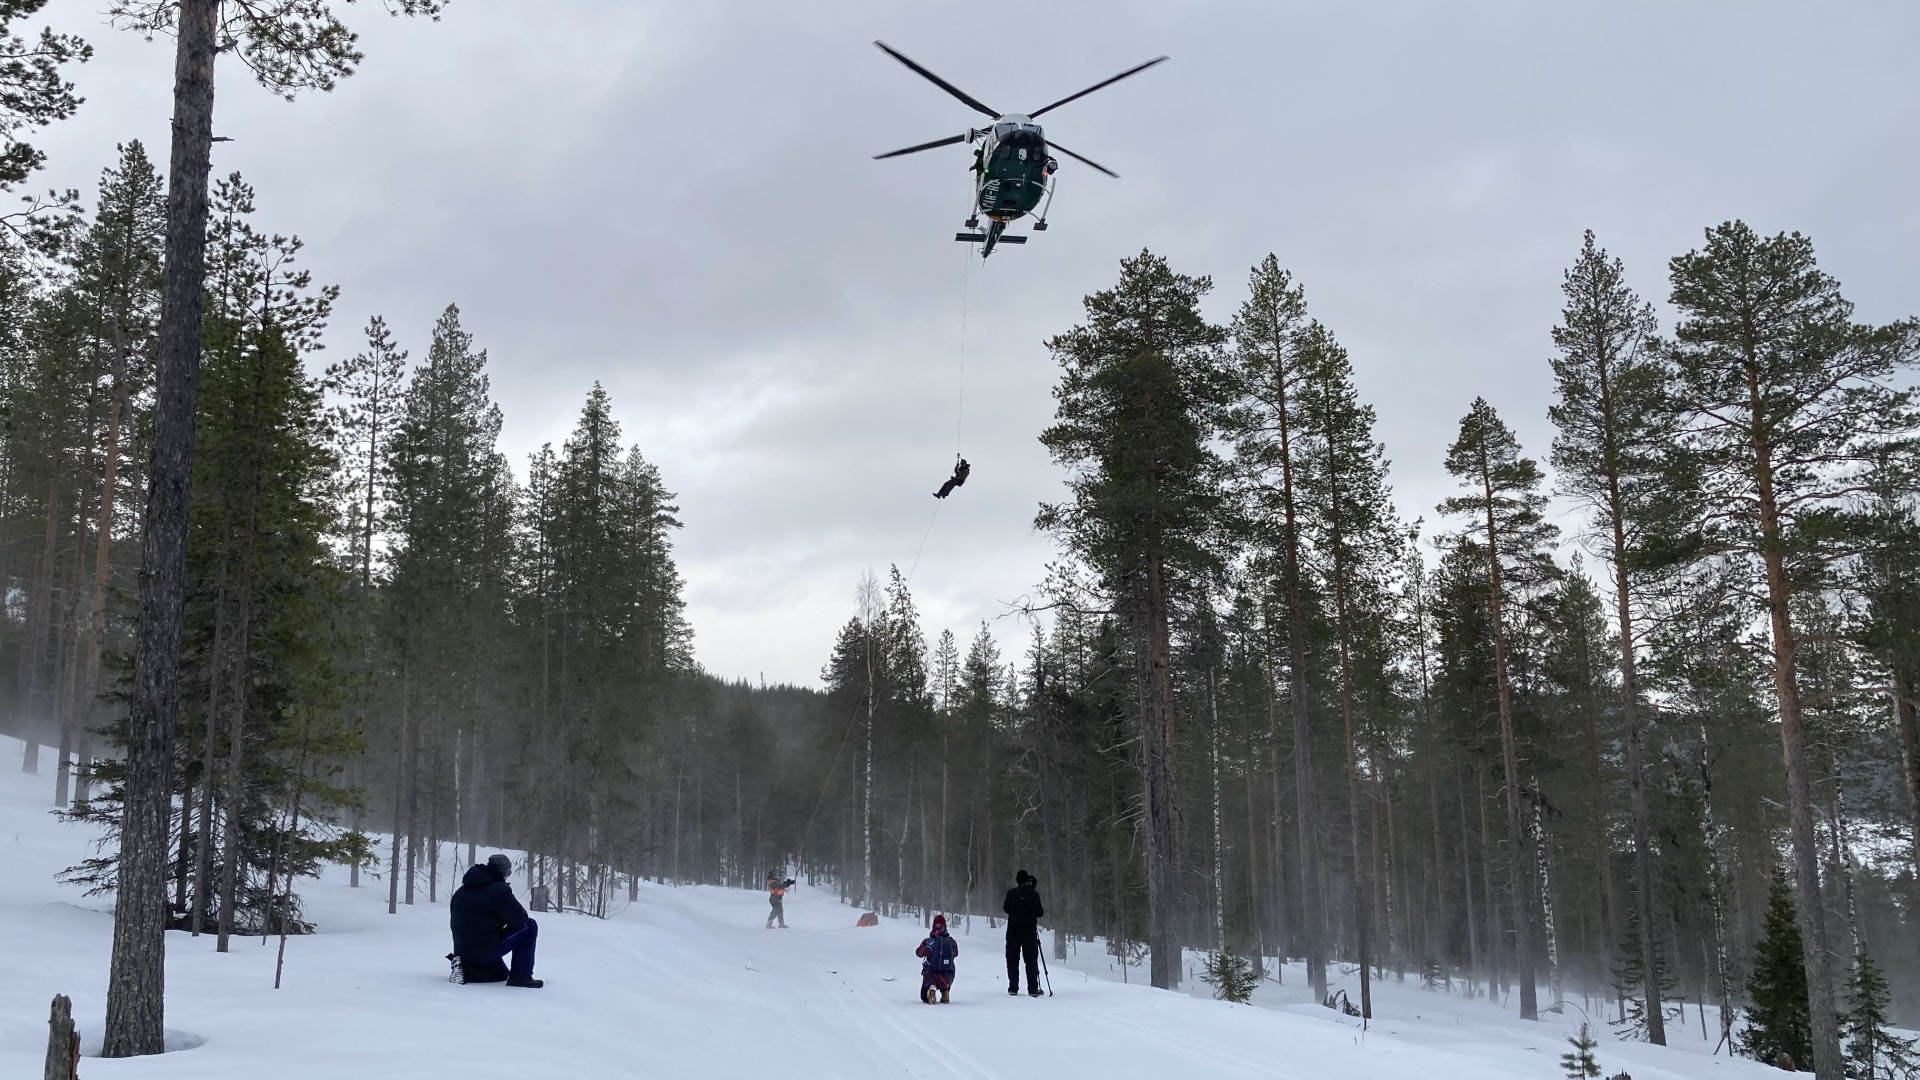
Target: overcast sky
{"x": 677, "y": 200}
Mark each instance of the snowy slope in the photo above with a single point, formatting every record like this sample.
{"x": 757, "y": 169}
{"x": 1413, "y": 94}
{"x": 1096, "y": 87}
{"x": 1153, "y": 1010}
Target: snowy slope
{"x": 686, "y": 984}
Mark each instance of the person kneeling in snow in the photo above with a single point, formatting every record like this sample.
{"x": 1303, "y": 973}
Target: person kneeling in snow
{"x": 936, "y": 964}
{"x": 488, "y": 923}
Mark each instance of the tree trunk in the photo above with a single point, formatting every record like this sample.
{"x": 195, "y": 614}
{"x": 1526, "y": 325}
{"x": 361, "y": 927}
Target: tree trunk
{"x": 1908, "y": 714}
{"x": 945, "y": 898}
{"x": 1279, "y": 826}
{"x": 1219, "y": 835}
{"x": 102, "y": 568}
{"x": 1496, "y": 980}
{"x": 136, "y": 982}
{"x": 1466, "y": 889}
{"x": 866, "y": 807}
{"x": 402, "y": 766}
{"x": 33, "y": 659}
{"x": 236, "y": 747}
{"x": 63, "y": 1042}
{"x": 1715, "y": 891}
{"x": 1602, "y": 849}
{"x": 203, "y": 847}
{"x": 1046, "y": 802}
{"x": 1254, "y": 921}
{"x": 69, "y": 686}
{"x": 1551, "y": 930}
{"x": 1636, "y": 787}
{"x": 1157, "y": 750}
{"x": 1827, "y": 1061}
{"x": 1521, "y": 872}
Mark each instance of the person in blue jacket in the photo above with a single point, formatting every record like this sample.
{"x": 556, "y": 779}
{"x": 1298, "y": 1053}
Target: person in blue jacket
{"x": 936, "y": 962}
{"x": 488, "y": 924}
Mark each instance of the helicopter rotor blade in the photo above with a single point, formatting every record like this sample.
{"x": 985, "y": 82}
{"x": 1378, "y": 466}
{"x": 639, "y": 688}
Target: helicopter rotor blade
{"x": 937, "y": 80}
{"x": 1084, "y": 161}
{"x": 1096, "y": 86}
{"x": 948, "y": 141}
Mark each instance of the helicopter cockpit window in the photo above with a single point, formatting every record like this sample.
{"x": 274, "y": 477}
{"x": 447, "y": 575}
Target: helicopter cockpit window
{"x": 1025, "y": 137}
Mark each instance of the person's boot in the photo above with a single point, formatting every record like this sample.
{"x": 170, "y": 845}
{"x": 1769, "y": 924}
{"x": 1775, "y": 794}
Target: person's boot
{"x": 1034, "y": 992}
{"x": 944, "y": 999}
{"x": 458, "y": 976}
{"x": 926, "y": 995}
{"x": 1013, "y": 991}
{"x": 531, "y": 984}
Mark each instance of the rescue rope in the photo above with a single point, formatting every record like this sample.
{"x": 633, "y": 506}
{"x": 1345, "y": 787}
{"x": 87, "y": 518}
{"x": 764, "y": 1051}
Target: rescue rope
{"x": 960, "y": 386}
{"x": 923, "y": 540}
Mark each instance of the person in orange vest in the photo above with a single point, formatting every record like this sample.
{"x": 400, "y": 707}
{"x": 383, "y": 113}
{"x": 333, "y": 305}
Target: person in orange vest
{"x": 776, "y": 889}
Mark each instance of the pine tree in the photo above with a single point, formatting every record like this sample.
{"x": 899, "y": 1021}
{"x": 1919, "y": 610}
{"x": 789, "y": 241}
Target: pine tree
{"x": 1267, "y": 423}
{"x": 117, "y": 266}
{"x": 1617, "y": 424}
{"x": 1779, "y": 1028}
{"x": 1504, "y": 510}
{"x": 1578, "y": 1063}
{"x": 33, "y": 92}
{"x": 1357, "y": 535}
{"x": 371, "y": 383}
{"x": 1137, "y": 391}
{"x": 1758, "y": 313}
{"x": 287, "y": 49}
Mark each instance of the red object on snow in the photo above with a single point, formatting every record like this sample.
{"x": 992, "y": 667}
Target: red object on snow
{"x": 869, "y": 919}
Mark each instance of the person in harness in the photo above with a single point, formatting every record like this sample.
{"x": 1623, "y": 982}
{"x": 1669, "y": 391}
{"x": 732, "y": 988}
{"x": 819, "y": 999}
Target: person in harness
{"x": 958, "y": 478}
{"x": 776, "y": 892}
{"x": 936, "y": 962}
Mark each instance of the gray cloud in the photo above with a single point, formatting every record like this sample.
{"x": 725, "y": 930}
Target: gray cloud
{"x": 677, "y": 201}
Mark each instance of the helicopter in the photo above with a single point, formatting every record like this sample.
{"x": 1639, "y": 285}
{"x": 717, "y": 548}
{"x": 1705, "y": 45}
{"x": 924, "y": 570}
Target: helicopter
{"x": 1013, "y": 169}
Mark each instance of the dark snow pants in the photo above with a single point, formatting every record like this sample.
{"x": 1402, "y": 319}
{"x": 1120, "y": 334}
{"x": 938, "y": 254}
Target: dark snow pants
{"x": 487, "y": 968}
{"x": 1031, "y": 949}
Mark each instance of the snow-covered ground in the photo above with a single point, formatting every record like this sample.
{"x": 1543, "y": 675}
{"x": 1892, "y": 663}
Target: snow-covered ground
{"x": 686, "y": 984}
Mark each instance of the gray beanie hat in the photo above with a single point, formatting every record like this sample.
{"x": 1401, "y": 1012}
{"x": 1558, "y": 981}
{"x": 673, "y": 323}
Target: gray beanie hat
{"x": 500, "y": 864}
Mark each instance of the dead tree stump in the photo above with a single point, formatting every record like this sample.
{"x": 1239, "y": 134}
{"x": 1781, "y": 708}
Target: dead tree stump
{"x": 63, "y": 1042}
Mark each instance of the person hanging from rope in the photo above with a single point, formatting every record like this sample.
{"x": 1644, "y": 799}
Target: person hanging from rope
{"x": 958, "y": 478}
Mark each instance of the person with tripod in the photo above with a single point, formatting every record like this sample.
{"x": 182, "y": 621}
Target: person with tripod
{"x": 1024, "y": 913}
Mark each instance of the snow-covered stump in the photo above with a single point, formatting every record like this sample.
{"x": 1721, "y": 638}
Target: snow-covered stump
{"x": 63, "y": 1042}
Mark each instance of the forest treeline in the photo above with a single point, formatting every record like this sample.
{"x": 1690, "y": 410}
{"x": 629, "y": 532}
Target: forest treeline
{"x": 1256, "y": 713}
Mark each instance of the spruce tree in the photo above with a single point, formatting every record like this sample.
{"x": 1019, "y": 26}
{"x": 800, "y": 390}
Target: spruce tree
{"x": 1578, "y": 1063}
{"x": 1788, "y": 401}
{"x": 1231, "y": 976}
{"x": 1873, "y": 1052}
{"x": 1779, "y": 1027}
{"x": 1629, "y": 976}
